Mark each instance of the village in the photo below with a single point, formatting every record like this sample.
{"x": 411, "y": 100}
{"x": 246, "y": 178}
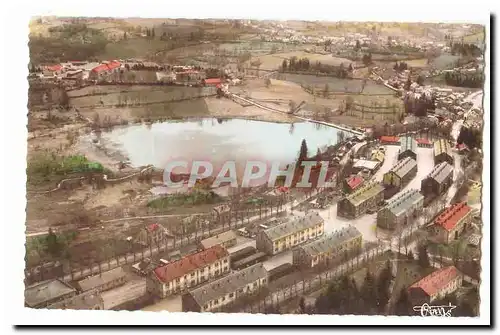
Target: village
{"x": 402, "y": 216}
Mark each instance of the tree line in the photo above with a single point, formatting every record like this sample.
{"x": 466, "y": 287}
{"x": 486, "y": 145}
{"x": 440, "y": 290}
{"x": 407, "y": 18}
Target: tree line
{"x": 471, "y": 137}
{"x": 459, "y": 79}
{"x": 465, "y": 49}
{"x": 304, "y": 64}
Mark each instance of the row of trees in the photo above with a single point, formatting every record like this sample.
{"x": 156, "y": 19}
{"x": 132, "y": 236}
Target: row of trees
{"x": 400, "y": 66}
{"x": 472, "y": 80}
{"x": 304, "y": 64}
{"x": 465, "y": 49}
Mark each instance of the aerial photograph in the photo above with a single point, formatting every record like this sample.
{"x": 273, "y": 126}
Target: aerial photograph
{"x": 254, "y": 166}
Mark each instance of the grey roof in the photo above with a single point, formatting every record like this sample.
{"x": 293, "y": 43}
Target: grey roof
{"x": 329, "y": 242}
{"x": 218, "y": 239}
{"x": 364, "y": 193}
{"x": 442, "y": 146}
{"x": 102, "y": 279}
{"x": 228, "y": 284}
{"x": 404, "y": 166}
{"x": 42, "y": 292}
{"x": 408, "y": 143}
{"x": 402, "y": 202}
{"x": 441, "y": 172}
{"x": 308, "y": 220}
{"x": 82, "y": 301}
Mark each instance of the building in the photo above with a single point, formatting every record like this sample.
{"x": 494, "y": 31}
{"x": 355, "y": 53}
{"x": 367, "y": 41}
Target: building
{"x": 408, "y": 148}
{"x": 358, "y": 203}
{"x": 353, "y": 183}
{"x": 378, "y": 156}
{"x": 438, "y": 181}
{"x": 104, "y": 69}
{"x": 214, "y": 296}
{"x": 424, "y": 143}
{"x": 45, "y": 293}
{"x": 443, "y": 152}
{"x": 153, "y": 234}
{"x": 435, "y": 286}
{"x": 401, "y": 173}
{"x": 451, "y": 223}
{"x": 362, "y": 164}
{"x": 166, "y": 77}
{"x": 389, "y": 140}
{"x": 212, "y": 81}
{"x": 104, "y": 281}
{"x": 400, "y": 210}
{"x": 226, "y": 239}
{"x": 333, "y": 247}
{"x": 84, "y": 301}
{"x": 291, "y": 233}
{"x": 188, "y": 272}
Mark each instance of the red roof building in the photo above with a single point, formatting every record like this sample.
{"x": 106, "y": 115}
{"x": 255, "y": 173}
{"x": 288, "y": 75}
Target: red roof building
{"x": 54, "y": 68}
{"x": 213, "y": 81}
{"x": 354, "y": 182}
{"x": 436, "y": 285}
{"x": 152, "y": 227}
{"x": 451, "y": 222}
{"x": 106, "y": 67}
{"x": 389, "y": 139}
{"x": 423, "y": 142}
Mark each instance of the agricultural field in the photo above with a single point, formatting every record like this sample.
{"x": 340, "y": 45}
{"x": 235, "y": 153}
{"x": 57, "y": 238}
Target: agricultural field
{"x": 274, "y": 61}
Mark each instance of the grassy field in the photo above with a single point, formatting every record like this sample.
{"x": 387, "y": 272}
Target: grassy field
{"x": 273, "y": 62}
{"x": 132, "y": 47}
{"x": 478, "y": 37}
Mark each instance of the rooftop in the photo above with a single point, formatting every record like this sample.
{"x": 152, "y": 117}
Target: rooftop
{"x": 441, "y": 172}
{"x": 408, "y": 143}
{"x": 354, "y": 181}
{"x": 442, "y": 146}
{"x": 404, "y": 201}
{"x": 437, "y": 280}
{"x": 218, "y": 239}
{"x": 404, "y": 166}
{"x": 449, "y": 218}
{"x": 329, "y": 242}
{"x": 365, "y": 164}
{"x": 101, "y": 279}
{"x": 292, "y": 226}
{"x": 82, "y": 301}
{"x": 392, "y": 139}
{"x": 364, "y": 193}
{"x": 423, "y": 141}
{"x": 42, "y": 292}
{"x": 228, "y": 284}
{"x": 188, "y": 264}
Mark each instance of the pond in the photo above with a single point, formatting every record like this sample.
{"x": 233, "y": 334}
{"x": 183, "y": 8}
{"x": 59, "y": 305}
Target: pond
{"x": 216, "y": 140}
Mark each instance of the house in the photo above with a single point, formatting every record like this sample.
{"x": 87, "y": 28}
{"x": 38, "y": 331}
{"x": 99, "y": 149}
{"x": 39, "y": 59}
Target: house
{"x": 85, "y": 301}
{"x": 443, "y": 152}
{"x": 104, "y": 69}
{"x": 212, "y": 82}
{"x": 152, "y": 234}
{"x": 226, "y": 239}
{"x": 401, "y": 210}
{"x": 54, "y": 69}
{"x": 104, "y": 281}
{"x": 389, "y": 140}
{"x": 333, "y": 247}
{"x": 192, "y": 270}
{"x": 408, "y": 148}
{"x": 224, "y": 291}
{"x": 353, "y": 183}
{"x": 45, "y": 293}
{"x": 363, "y": 164}
{"x": 435, "y": 286}
{"x": 401, "y": 173}
{"x": 451, "y": 223}
{"x": 438, "y": 181}
{"x": 296, "y": 231}
{"x": 424, "y": 143}
{"x": 378, "y": 156}
{"x": 358, "y": 203}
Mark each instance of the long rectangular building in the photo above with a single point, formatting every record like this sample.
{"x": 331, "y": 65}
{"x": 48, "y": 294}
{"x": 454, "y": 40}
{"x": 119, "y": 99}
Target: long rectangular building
{"x": 329, "y": 248}
{"x": 408, "y": 148}
{"x": 401, "y": 173}
{"x": 291, "y": 233}
{"x": 214, "y": 296}
{"x": 400, "y": 209}
{"x": 443, "y": 152}
{"x": 357, "y": 203}
{"x": 226, "y": 239}
{"x": 450, "y": 224}
{"x": 438, "y": 181}
{"x": 188, "y": 272}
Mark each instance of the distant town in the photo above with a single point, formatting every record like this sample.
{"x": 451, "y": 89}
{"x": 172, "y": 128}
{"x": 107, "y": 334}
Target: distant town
{"x": 395, "y": 109}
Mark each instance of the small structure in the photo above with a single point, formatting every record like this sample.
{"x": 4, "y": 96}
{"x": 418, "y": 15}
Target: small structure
{"x": 45, "y": 293}
{"x": 389, "y": 140}
{"x": 212, "y": 81}
{"x": 424, "y": 143}
{"x": 226, "y": 239}
{"x": 443, "y": 152}
{"x": 435, "y": 286}
{"x": 378, "y": 156}
{"x": 214, "y": 296}
{"x": 353, "y": 183}
{"x": 358, "y": 203}
{"x": 438, "y": 181}
{"x": 450, "y": 224}
{"x": 401, "y": 209}
{"x": 329, "y": 248}
{"x": 104, "y": 281}
{"x": 363, "y": 164}
{"x": 408, "y": 148}
{"x": 284, "y": 236}
{"x": 84, "y": 301}
{"x": 401, "y": 173}
{"x": 152, "y": 234}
